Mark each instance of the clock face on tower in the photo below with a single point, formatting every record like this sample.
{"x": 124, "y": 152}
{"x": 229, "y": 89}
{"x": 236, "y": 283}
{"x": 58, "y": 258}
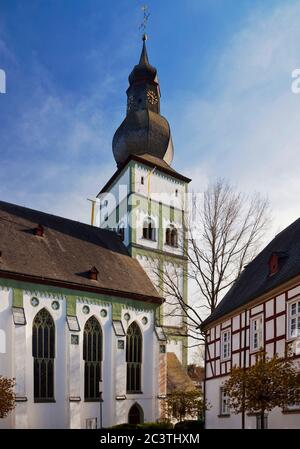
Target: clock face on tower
{"x": 152, "y": 97}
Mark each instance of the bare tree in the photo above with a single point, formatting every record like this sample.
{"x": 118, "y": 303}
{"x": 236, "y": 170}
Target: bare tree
{"x": 222, "y": 236}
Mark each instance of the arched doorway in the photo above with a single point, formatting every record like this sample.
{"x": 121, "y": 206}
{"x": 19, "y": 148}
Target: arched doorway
{"x": 136, "y": 415}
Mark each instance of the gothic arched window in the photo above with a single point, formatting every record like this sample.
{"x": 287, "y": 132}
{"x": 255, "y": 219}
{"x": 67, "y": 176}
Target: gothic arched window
{"x": 92, "y": 356}
{"x": 149, "y": 231}
{"x": 136, "y": 415}
{"x": 134, "y": 343}
{"x": 43, "y": 352}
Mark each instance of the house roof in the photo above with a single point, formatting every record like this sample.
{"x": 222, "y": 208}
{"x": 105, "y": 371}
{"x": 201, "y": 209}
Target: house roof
{"x": 196, "y": 373}
{"x": 177, "y": 377}
{"x": 151, "y": 161}
{"x": 255, "y": 279}
{"x": 66, "y": 253}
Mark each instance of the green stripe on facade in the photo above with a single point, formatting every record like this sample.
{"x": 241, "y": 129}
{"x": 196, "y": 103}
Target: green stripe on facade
{"x": 72, "y": 296}
{"x": 17, "y": 297}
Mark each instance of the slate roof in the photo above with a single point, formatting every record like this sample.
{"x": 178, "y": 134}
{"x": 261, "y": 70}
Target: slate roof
{"x": 255, "y": 280}
{"x": 66, "y": 253}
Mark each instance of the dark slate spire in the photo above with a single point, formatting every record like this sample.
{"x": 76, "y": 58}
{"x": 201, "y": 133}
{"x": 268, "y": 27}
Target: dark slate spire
{"x": 144, "y": 130}
{"x": 144, "y": 55}
{"x": 143, "y": 70}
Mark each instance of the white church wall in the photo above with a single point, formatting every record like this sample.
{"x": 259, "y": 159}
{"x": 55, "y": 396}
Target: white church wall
{"x": 5, "y": 344}
{"x": 115, "y": 195}
{"x": 176, "y": 347}
{"x": 162, "y": 187}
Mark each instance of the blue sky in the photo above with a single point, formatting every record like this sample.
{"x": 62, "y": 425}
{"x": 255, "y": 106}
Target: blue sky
{"x": 225, "y": 73}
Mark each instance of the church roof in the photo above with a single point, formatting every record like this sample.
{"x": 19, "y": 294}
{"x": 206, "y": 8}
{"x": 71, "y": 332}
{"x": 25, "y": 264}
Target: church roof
{"x": 256, "y": 280}
{"x": 150, "y": 161}
{"x": 43, "y": 248}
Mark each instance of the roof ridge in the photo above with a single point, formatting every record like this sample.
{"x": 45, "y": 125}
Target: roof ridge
{"x": 29, "y": 209}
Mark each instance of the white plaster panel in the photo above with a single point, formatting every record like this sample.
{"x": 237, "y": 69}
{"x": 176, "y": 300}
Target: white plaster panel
{"x": 269, "y": 308}
{"x": 294, "y": 291}
{"x": 280, "y": 303}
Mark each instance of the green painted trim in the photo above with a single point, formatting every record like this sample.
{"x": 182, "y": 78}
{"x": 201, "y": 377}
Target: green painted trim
{"x": 17, "y": 297}
{"x": 160, "y": 228}
{"x": 71, "y": 305}
{"x": 71, "y": 296}
{"x": 117, "y": 311}
{"x": 157, "y": 253}
{"x": 179, "y": 338}
{"x": 165, "y": 175}
{"x": 172, "y": 214}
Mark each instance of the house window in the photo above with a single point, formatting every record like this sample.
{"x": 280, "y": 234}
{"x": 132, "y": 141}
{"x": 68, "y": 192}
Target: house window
{"x": 92, "y": 356}
{"x": 224, "y": 403}
{"x": 294, "y": 319}
{"x": 43, "y": 352}
{"x": 225, "y": 344}
{"x": 134, "y": 342}
{"x": 149, "y": 231}
{"x": 256, "y": 333}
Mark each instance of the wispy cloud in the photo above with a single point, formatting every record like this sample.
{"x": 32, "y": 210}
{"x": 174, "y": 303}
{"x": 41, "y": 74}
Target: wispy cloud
{"x": 247, "y": 127}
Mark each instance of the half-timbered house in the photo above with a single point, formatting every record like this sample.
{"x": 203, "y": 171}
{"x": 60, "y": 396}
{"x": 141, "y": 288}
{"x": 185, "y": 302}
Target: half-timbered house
{"x": 261, "y": 310}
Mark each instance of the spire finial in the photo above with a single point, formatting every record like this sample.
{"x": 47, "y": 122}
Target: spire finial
{"x": 143, "y": 25}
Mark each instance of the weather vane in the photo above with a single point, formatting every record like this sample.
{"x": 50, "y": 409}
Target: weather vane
{"x": 146, "y": 15}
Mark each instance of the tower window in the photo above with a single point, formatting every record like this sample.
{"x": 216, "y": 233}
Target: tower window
{"x": 92, "y": 356}
{"x": 43, "y": 351}
{"x": 134, "y": 343}
{"x": 149, "y": 231}
{"x": 172, "y": 236}
{"x": 176, "y": 192}
{"x": 142, "y": 180}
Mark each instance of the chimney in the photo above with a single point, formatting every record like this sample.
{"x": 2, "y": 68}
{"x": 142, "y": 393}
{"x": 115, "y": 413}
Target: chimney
{"x": 39, "y": 231}
{"x": 93, "y": 274}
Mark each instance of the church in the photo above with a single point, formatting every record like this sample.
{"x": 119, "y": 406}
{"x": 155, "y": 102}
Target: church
{"x": 86, "y": 328}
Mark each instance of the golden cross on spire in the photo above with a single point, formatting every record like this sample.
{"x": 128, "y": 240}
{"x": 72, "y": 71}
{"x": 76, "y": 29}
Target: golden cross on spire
{"x": 146, "y": 15}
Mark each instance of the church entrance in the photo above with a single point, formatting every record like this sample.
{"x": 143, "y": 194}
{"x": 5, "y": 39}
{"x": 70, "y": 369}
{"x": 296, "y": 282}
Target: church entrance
{"x": 135, "y": 415}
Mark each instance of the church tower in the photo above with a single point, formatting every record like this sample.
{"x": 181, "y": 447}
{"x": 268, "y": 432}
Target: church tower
{"x": 145, "y": 199}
